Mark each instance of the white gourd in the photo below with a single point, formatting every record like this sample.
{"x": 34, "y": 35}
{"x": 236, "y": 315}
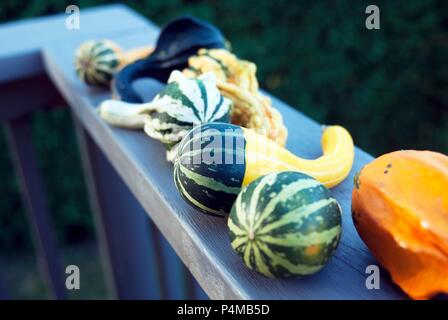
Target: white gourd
{"x": 183, "y": 104}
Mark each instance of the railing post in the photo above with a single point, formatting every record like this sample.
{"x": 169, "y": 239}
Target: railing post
{"x": 198, "y": 292}
{"x": 25, "y": 161}
{"x": 3, "y": 288}
{"x": 122, "y": 225}
{"x": 173, "y": 272}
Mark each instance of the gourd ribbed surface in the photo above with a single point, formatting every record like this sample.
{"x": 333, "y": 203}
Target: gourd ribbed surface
{"x": 285, "y": 224}
{"x": 97, "y": 61}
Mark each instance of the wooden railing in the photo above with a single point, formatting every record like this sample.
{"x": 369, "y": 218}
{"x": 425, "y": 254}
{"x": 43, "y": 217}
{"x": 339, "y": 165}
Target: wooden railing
{"x": 129, "y": 180}
{"x": 138, "y": 260}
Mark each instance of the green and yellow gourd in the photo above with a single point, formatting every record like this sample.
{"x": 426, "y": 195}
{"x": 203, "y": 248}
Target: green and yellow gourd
{"x": 183, "y": 104}
{"x": 97, "y": 61}
{"x": 216, "y": 160}
{"x": 285, "y": 225}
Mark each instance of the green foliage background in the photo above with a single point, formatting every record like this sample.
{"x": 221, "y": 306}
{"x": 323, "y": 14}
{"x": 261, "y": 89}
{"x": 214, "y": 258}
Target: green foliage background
{"x": 388, "y": 87}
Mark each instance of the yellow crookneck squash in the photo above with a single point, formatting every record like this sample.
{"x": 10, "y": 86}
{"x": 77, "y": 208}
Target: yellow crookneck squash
{"x": 400, "y": 209}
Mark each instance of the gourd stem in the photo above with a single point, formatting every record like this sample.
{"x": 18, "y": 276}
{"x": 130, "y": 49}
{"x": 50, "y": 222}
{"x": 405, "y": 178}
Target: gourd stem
{"x": 137, "y": 53}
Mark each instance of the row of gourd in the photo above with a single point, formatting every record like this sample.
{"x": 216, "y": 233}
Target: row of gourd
{"x": 226, "y": 141}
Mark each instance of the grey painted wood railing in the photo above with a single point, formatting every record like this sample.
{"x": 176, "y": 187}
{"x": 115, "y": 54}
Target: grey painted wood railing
{"x": 129, "y": 180}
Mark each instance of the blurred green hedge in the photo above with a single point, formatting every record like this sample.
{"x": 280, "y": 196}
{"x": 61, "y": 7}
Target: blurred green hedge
{"x": 389, "y": 87}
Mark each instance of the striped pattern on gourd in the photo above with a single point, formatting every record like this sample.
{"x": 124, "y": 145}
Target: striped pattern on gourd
{"x": 97, "y": 61}
{"x": 183, "y": 104}
{"x": 285, "y": 224}
{"x": 209, "y": 177}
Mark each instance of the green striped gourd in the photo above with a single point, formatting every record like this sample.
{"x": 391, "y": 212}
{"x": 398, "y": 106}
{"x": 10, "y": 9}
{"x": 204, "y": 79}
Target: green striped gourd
{"x": 208, "y": 183}
{"x": 285, "y": 224}
{"x": 183, "y": 104}
{"x": 216, "y": 160}
{"x": 97, "y": 61}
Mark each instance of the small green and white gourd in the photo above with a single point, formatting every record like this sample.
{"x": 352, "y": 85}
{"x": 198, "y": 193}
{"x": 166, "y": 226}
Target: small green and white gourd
{"x": 183, "y": 104}
{"x": 97, "y": 61}
{"x": 285, "y": 224}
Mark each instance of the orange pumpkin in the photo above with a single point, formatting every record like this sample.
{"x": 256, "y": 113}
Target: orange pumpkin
{"x": 400, "y": 209}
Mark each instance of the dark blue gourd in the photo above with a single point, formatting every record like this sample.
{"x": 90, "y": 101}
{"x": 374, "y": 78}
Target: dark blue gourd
{"x": 177, "y": 41}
